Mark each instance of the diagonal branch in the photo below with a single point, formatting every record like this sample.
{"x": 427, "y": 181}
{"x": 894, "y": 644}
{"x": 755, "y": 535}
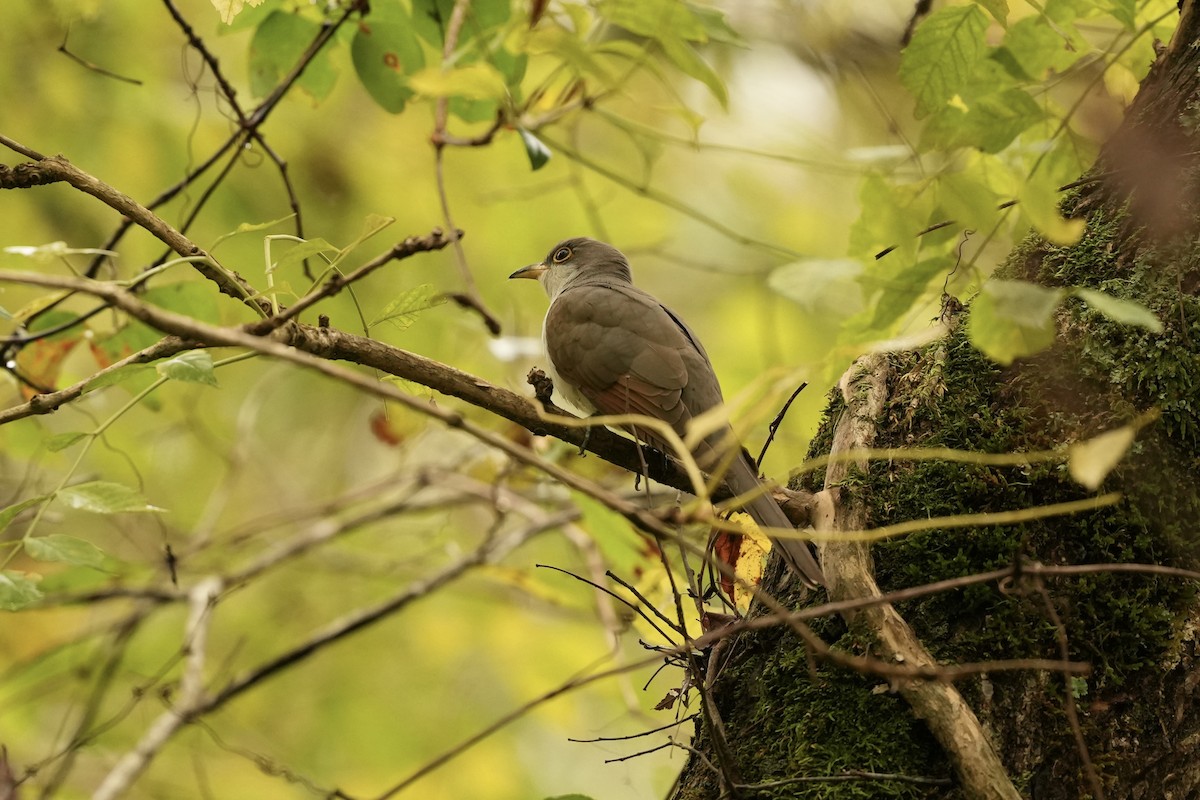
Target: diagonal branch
{"x": 228, "y": 282}
{"x": 850, "y": 571}
{"x": 191, "y": 696}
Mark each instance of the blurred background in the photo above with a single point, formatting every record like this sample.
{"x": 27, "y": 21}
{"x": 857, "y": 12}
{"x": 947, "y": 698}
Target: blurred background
{"x": 739, "y": 215}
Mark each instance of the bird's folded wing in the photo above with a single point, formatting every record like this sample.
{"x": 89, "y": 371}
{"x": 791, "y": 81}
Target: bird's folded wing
{"x": 621, "y": 351}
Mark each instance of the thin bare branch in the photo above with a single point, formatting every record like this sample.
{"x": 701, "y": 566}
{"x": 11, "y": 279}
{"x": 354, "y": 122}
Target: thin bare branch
{"x": 228, "y": 282}
{"x": 1064, "y": 649}
{"x": 47, "y": 403}
{"x": 491, "y": 551}
{"x": 191, "y": 694}
{"x": 469, "y": 298}
{"x": 434, "y": 240}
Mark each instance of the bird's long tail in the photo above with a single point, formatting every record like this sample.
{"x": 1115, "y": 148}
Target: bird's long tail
{"x": 742, "y": 478}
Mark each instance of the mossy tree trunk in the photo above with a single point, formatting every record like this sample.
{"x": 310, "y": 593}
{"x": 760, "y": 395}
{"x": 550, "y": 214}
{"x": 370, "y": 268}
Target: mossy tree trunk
{"x": 1139, "y": 711}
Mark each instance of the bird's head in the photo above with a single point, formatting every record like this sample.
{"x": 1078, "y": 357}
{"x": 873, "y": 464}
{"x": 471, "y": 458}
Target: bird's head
{"x": 575, "y": 261}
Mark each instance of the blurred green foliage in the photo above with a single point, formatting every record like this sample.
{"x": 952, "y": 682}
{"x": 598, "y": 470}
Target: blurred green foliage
{"x": 752, "y": 191}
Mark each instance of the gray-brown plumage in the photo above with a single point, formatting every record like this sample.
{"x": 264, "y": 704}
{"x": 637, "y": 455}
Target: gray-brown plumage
{"x": 616, "y": 350}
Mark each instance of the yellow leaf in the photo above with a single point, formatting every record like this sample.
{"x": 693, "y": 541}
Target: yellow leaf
{"x": 1120, "y": 82}
{"x": 751, "y": 561}
{"x": 474, "y": 82}
{"x": 1039, "y": 200}
{"x": 228, "y": 9}
{"x": 1091, "y": 461}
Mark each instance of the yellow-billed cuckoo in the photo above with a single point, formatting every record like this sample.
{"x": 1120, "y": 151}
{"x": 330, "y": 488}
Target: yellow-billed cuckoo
{"x": 616, "y": 350}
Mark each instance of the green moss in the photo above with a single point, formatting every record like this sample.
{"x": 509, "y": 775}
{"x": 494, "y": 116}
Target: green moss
{"x": 1121, "y": 622}
{"x": 835, "y": 722}
{"x": 1099, "y": 375}
{"x": 1166, "y": 371}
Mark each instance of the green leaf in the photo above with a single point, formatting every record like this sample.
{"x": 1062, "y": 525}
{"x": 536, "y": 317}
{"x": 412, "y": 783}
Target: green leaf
{"x": 1090, "y": 462}
{"x": 997, "y": 8}
{"x": 8, "y": 514}
{"x": 903, "y": 287}
{"x": 535, "y": 148}
{"x": 52, "y": 319}
{"x": 1123, "y": 11}
{"x": 1039, "y": 202}
{"x": 716, "y": 27}
{"x": 820, "y": 284}
{"x": 402, "y": 312}
{"x": 1126, "y": 312}
{"x": 248, "y": 227}
{"x": 61, "y": 441}
{"x": 473, "y": 110}
{"x": 567, "y": 48}
{"x": 896, "y": 213}
{"x": 384, "y": 54}
{"x": 17, "y": 590}
{"x": 1062, "y": 11}
{"x": 684, "y": 56}
{"x": 989, "y": 123}
{"x": 477, "y": 81}
{"x": 944, "y": 52}
{"x": 1032, "y": 48}
{"x": 511, "y": 66}
{"x": 103, "y": 497}
{"x": 193, "y": 366}
{"x": 67, "y": 549}
{"x": 1013, "y": 319}
{"x": 968, "y": 199}
{"x": 117, "y": 376}
{"x": 430, "y": 17}
{"x": 196, "y": 299}
{"x": 302, "y": 250}
{"x": 278, "y": 44}
{"x": 655, "y": 19}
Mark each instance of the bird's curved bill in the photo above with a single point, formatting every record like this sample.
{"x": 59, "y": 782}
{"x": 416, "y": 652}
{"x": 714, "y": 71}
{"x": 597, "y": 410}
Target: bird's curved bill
{"x": 533, "y": 271}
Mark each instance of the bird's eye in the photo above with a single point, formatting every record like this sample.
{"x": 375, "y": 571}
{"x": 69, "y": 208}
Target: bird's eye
{"x": 561, "y": 255}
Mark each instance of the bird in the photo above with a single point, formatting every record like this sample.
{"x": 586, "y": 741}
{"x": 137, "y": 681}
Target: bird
{"x": 614, "y": 349}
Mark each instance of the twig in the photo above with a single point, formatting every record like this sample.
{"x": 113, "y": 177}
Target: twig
{"x": 774, "y": 427}
{"x": 643, "y": 599}
{"x": 666, "y": 636}
{"x": 197, "y": 44}
{"x": 84, "y": 730}
{"x": 636, "y": 735}
{"x": 229, "y": 283}
{"x": 851, "y": 776}
{"x": 319, "y": 41}
{"x": 8, "y": 781}
{"x": 309, "y": 347}
{"x": 99, "y": 70}
{"x": 248, "y": 128}
{"x": 490, "y": 551}
{"x": 434, "y": 240}
{"x": 728, "y": 772}
{"x": 469, "y": 298}
{"x": 191, "y": 696}
{"x": 662, "y": 198}
{"x": 640, "y": 753}
{"x": 1064, "y": 650}
{"x": 52, "y": 401}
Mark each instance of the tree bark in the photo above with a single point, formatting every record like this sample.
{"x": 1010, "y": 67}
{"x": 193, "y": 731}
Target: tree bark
{"x": 1139, "y": 712}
